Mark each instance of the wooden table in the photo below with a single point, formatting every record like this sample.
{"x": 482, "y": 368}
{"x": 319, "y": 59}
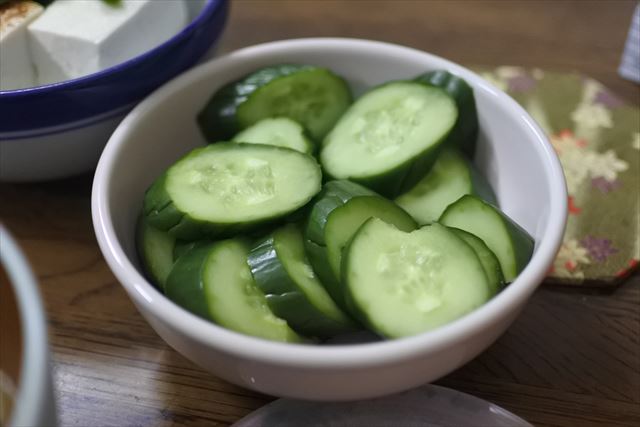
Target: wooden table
{"x": 573, "y": 356}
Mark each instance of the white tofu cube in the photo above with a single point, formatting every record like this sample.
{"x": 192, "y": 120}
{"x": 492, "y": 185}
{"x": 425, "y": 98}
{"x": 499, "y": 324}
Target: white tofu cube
{"x": 16, "y": 69}
{"x": 75, "y": 38}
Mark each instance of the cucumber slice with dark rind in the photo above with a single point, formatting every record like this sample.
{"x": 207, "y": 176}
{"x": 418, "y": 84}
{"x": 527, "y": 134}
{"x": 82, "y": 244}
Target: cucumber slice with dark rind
{"x": 451, "y": 177}
{"x": 332, "y": 195}
{"x": 401, "y": 284}
{"x": 155, "y": 250}
{"x": 511, "y": 244}
{"x": 226, "y": 188}
{"x": 390, "y": 137}
{"x": 324, "y": 251}
{"x": 184, "y": 284}
{"x": 213, "y": 281}
{"x": 315, "y": 97}
{"x": 283, "y": 273}
{"x": 465, "y": 132}
{"x": 488, "y": 259}
{"x": 181, "y": 247}
{"x": 319, "y": 260}
{"x": 345, "y": 220}
{"x": 278, "y": 131}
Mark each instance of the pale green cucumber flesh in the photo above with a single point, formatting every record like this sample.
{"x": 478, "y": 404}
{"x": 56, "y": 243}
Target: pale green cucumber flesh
{"x": 511, "y": 244}
{"x": 155, "y": 248}
{"x": 402, "y": 284}
{"x": 230, "y": 187}
{"x": 233, "y": 299}
{"x": 333, "y": 195}
{"x": 344, "y": 221}
{"x": 488, "y": 259}
{"x": 451, "y": 177}
{"x": 314, "y": 97}
{"x": 278, "y": 131}
{"x": 386, "y": 129}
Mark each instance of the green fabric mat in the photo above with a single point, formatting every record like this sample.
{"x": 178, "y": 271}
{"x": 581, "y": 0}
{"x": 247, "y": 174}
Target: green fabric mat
{"x": 597, "y": 138}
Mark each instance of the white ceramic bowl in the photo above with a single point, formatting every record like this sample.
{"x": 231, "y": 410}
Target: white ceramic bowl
{"x": 34, "y": 403}
{"x": 512, "y": 152}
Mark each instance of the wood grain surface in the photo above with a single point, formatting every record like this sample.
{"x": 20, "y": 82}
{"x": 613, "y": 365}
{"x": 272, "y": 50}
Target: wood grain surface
{"x": 571, "y": 359}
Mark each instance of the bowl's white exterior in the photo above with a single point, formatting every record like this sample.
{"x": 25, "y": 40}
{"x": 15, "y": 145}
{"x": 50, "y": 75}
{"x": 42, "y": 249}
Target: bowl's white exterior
{"x": 513, "y": 153}
{"x": 35, "y": 401}
{"x": 56, "y": 152}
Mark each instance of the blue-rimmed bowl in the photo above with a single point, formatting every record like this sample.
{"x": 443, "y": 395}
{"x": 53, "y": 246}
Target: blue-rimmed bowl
{"x": 59, "y": 130}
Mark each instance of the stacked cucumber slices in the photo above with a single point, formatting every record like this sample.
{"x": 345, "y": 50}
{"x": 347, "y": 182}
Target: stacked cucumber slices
{"x": 310, "y": 216}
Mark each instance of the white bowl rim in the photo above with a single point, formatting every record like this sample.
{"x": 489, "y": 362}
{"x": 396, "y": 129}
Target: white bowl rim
{"x": 339, "y": 356}
{"x": 33, "y": 382}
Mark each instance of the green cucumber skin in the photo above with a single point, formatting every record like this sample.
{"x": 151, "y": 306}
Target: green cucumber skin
{"x": 183, "y": 246}
{"x": 185, "y": 286}
{"x": 492, "y": 265}
{"x": 319, "y": 259}
{"x": 403, "y": 177}
{"x": 285, "y": 298}
{"x": 521, "y": 241}
{"x": 157, "y": 274}
{"x": 333, "y": 195}
{"x": 465, "y": 132}
{"x": 161, "y": 212}
{"x": 217, "y": 120}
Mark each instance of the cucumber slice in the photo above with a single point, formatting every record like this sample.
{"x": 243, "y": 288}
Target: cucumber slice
{"x": 335, "y": 216}
{"x": 465, "y": 132}
{"x": 155, "y": 250}
{"x": 214, "y": 281}
{"x": 183, "y": 246}
{"x": 312, "y": 96}
{"x": 345, "y": 220}
{"x": 334, "y": 194}
{"x": 402, "y": 284}
{"x": 390, "y": 137}
{"x": 229, "y": 187}
{"x": 451, "y": 177}
{"x": 487, "y": 258}
{"x": 279, "y": 131}
{"x": 511, "y": 244}
{"x": 294, "y": 293}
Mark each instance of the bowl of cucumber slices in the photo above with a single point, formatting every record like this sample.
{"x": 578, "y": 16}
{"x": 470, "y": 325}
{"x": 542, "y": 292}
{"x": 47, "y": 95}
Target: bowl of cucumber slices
{"x": 329, "y": 219}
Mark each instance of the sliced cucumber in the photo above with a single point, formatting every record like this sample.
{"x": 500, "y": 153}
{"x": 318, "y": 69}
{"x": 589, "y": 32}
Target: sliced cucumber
{"x": 487, "y": 258}
{"x": 344, "y": 221}
{"x": 155, "y": 249}
{"x": 334, "y": 194}
{"x": 390, "y": 137}
{"x": 402, "y": 284}
{"x": 229, "y": 187}
{"x": 451, "y": 177}
{"x": 312, "y": 96}
{"x": 511, "y": 244}
{"x": 465, "y": 132}
{"x": 335, "y": 216}
{"x": 294, "y": 293}
{"x": 214, "y": 282}
{"x": 279, "y": 131}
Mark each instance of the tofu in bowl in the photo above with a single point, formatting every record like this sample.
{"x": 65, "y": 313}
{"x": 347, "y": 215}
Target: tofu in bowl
{"x": 71, "y": 70}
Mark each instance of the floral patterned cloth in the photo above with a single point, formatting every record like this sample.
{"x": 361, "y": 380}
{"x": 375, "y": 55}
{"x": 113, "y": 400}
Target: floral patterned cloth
{"x": 597, "y": 138}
